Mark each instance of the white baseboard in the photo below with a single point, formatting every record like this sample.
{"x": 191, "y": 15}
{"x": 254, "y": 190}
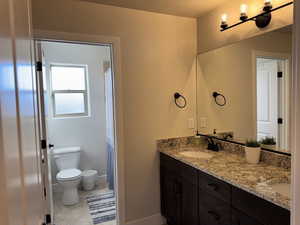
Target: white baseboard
{"x": 156, "y": 219}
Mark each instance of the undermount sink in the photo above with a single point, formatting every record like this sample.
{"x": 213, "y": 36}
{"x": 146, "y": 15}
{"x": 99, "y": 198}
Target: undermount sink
{"x": 282, "y": 188}
{"x": 197, "y": 155}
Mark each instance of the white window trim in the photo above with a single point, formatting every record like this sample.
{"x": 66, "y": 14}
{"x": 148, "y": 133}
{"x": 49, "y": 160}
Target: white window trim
{"x": 84, "y": 92}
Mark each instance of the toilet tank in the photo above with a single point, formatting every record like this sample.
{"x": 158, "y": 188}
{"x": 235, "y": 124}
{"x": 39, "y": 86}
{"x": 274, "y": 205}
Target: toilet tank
{"x": 67, "y": 158}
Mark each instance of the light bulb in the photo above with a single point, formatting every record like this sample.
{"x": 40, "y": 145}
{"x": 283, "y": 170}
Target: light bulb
{"x": 244, "y": 9}
{"x": 224, "y": 18}
{"x": 244, "y": 15}
{"x": 268, "y": 5}
{"x": 224, "y": 24}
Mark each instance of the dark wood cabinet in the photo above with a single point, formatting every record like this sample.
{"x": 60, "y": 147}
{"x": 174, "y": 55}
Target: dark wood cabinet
{"x": 213, "y": 211}
{"x": 189, "y": 201}
{"x": 239, "y": 218}
{"x": 192, "y": 197}
{"x": 215, "y": 187}
{"x": 179, "y": 191}
{"x": 171, "y": 190}
{"x": 261, "y": 210}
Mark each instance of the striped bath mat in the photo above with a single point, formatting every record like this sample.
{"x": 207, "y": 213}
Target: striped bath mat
{"x": 102, "y": 207}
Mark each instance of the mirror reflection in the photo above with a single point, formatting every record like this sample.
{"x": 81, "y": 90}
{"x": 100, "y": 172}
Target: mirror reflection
{"x": 243, "y": 90}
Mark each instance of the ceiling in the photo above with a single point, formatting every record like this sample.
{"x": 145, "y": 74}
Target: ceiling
{"x": 187, "y": 8}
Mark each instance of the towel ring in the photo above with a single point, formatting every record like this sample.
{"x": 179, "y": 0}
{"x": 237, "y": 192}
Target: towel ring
{"x": 178, "y": 96}
{"x": 215, "y": 95}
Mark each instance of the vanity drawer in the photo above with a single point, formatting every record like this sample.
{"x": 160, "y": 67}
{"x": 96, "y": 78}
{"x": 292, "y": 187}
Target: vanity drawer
{"x": 213, "y": 211}
{"x": 215, "y": 187}
{"x": 263, "y": 211}
{"x": 239, "y": 218}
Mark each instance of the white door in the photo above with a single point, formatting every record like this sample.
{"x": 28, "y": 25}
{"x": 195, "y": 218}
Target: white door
{"x": 20, "y": 185}
{"x": 267, "y": 98}
{"x": 283, "y": 104}
{"x": 42, "y": 115}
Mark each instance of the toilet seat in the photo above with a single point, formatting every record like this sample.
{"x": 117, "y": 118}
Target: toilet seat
{"x": 68, "y": 174}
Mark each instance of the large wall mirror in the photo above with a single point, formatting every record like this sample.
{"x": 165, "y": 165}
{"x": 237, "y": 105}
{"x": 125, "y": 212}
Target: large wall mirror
{"x": 243, "y": 90}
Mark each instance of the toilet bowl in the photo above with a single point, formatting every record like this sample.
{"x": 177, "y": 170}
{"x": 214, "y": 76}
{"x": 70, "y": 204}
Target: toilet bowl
{"x": 69, "y": 179}
{"x": 69, "y": 176}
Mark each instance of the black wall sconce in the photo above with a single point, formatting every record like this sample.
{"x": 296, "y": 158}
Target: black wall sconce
{"x": 177, "y": 96}
{"x": 261, "y": 20}
{"x": 216, "y": 95}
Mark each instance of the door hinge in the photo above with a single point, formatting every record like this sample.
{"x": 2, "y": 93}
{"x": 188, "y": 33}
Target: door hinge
{"x": 279, "y": 74}
{"x": 39, "y": 66}
{"x": 48, "y": 219}
{"x": 43, "y": 144}
{"x": 45, "y": 192}
{"x": 280, "y": 121}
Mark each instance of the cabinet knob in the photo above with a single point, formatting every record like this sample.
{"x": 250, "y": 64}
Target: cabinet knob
{"x": 215, "y": 215}
{"x": 213, "y": 186}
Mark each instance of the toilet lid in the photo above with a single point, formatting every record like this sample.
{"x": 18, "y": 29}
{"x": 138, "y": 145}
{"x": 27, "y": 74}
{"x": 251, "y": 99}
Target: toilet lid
{"x": 68, "y": 174}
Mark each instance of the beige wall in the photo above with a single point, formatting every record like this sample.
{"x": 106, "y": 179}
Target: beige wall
{"x": 210, "y": 37}
{"x": 229, "y": 70}
{"x": 158, "y": 56}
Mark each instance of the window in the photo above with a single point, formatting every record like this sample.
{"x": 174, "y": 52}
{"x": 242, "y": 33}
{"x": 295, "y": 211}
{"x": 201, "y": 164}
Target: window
{"x": 69, "y": 90}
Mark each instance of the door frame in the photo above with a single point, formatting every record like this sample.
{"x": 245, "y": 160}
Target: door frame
{"x": 288, "y": 67}
{"x": 45, "y": 35}
{"x": 295, "y": 117}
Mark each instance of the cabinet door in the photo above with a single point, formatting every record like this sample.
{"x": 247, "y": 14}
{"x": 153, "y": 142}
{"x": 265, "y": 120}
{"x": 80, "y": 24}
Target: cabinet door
{"x": 213, "y": 211}
{"x": 172, "y": 198}
{"x": 163, "y": 190}
{"x": 263, "y": 211}
{"x": 189, "y": 204}
{"x": 239, "y": 218}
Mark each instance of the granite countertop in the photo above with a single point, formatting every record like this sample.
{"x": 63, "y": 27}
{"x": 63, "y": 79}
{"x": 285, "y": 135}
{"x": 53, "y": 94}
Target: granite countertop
{"x": 234, "y": 169}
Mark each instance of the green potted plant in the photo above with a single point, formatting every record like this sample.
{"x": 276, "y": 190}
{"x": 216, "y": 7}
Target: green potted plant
{"x": 252, "y": 151}
{"x": 268, "y": 143}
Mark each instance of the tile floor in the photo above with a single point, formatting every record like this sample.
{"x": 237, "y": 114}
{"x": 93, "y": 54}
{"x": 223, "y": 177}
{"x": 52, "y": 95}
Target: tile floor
{"x": 77, "y": 214}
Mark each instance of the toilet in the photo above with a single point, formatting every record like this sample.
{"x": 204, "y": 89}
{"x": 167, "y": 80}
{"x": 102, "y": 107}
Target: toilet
{"x": 69, "y": 176}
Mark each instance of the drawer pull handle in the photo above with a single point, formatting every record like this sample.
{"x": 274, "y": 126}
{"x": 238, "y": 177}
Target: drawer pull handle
{"x": 215, "y": 215}
{"x": 213, "y": 186}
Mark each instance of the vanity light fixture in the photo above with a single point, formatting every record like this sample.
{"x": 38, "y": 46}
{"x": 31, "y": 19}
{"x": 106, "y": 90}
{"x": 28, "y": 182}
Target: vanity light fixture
{"x": 261, "y": 20}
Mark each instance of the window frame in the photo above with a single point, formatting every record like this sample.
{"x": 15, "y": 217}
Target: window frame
{"x": 70, "y": 91}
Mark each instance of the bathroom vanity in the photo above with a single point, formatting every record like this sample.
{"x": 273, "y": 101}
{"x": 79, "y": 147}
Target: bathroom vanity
{"x": 220, "y": 189}
{"x": 243, "y": 94}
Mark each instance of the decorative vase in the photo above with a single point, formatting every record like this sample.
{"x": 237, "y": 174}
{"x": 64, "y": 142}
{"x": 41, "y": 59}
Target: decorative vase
{"x": 252, "y": 154}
